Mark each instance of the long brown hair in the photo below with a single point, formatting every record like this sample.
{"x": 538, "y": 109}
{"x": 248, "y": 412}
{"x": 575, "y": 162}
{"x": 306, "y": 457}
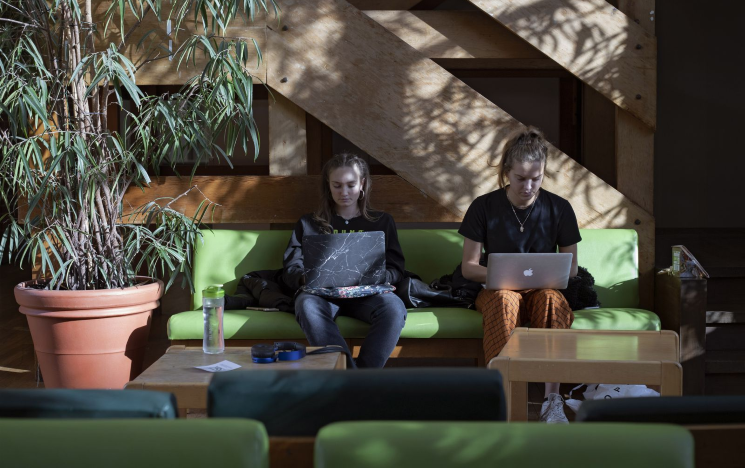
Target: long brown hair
{"x": 326, "y": 209}
{"x": 527, "y": 146}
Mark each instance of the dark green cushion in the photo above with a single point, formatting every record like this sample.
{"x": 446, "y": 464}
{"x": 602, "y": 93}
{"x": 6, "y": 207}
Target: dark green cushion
{"x": 86, "y": 404}
{"x": 300, "y": 402}
{"x": 687, "y": 410}
{"x": 115, "y": 443}
{"x": 482, "y": 444}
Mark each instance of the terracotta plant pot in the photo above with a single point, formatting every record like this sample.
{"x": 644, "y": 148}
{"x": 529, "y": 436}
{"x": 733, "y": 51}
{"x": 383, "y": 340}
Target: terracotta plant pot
{"x": 90, "y": 339}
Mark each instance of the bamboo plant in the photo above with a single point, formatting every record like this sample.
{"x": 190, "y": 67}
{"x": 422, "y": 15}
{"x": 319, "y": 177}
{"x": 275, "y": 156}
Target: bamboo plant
{"x": 64, "y": 172}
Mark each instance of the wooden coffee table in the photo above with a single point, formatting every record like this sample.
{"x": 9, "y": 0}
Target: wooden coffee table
{"x": 586, "y": 356}
{"x": 175, "y": 371}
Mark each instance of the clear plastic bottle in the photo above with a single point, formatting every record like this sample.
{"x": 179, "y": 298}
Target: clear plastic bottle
{"x": 213, "y": 303}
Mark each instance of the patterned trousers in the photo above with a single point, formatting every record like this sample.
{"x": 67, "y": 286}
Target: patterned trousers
{"x": 503, "y": 310}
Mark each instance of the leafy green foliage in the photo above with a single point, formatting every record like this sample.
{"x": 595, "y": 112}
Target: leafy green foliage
{"x": 63, "y": 172}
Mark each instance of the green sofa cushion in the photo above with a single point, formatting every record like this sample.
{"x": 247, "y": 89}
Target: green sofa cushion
{"x": 226, "y": 255}
{"x": 611, "y": 318}
{"x": 611, "y": 256}
{"x": 479, "y": 444}
{"x": 257, "y": 325}
{"x": 420, "y": 323}
{"x": 141, "y": 443}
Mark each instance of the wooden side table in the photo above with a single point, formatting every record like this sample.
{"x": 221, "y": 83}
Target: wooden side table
{"x": 589, "y": 356}
{"x": 175, "y": 371}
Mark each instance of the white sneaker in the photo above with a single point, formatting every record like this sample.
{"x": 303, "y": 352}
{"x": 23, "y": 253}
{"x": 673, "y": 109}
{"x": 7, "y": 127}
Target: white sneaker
{"x": 552, "y": 411}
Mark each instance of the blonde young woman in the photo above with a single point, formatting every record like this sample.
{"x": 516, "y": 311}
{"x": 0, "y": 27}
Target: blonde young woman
{"x": 520, "y": 217}
{"x": 345, "y": 207}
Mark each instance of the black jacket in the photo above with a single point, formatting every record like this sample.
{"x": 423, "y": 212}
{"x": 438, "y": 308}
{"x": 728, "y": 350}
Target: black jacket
{"x": 262, "y": 289}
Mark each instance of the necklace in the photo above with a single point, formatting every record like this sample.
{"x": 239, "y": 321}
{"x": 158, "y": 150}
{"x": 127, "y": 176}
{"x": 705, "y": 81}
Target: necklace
{"x": 346, "y": 221}
{"x": 529, "y": 212}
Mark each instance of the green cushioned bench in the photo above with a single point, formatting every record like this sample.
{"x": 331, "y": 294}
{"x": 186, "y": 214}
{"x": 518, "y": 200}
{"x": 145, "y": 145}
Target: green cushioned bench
{"x": 133, "y": 443}
{"x": 226, "y": 255}
{"x": 399, "y": 444}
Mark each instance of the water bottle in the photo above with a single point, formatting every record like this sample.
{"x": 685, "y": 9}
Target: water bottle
{"x": 213, "y": 303}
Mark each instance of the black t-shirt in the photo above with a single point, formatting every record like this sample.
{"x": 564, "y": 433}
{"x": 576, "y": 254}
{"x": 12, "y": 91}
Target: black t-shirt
{"x": 490, "y": 220}
{"x": 306, "y": 226}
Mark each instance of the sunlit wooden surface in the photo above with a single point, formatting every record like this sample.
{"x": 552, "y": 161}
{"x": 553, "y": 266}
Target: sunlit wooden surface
{"x": 175, "y": 372}
{"x": 601, "y": 345}
{"x": 609, "y": 357}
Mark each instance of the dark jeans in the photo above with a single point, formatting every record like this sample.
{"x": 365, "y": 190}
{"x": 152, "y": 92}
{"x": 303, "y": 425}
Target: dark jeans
{"x": 385, "y": 313}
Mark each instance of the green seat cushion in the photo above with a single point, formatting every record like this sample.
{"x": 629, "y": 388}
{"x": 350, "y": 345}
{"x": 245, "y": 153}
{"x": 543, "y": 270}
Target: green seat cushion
{"x": 480, "y": 444}
{"x": 257, "y": 325}
{"x": 609, "y": 318}
{"x": 238, "y": 325}
{"x": 420, "y": 323}
{"x": 141, "y": 443}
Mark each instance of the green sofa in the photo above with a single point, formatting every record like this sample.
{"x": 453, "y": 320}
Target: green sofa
{"x": 609, "y": 254}
{"x": 395, "y": 444}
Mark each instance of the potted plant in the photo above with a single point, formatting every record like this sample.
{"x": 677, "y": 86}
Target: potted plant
{"x": 64, "y": 172}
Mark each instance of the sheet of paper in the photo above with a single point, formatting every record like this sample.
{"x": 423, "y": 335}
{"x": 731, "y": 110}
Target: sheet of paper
{"x": 222, "y": 366}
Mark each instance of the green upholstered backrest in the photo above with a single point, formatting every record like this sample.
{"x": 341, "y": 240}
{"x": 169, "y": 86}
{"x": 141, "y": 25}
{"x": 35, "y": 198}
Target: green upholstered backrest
{"x": 86, "y": 404}
{"x": 480, "y": 444}
{"x": 127, "y": 443}
{"x": 609, "y": 254}
{"x": 227, "y": 255}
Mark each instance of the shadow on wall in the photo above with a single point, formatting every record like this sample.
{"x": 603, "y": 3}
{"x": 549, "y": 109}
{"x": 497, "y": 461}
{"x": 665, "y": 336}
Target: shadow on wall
{"x": 429, "y": 125}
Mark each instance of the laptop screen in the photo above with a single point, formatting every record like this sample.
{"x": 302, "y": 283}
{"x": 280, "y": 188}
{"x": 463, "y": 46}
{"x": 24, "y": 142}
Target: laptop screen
{"x": 337, "y": 260}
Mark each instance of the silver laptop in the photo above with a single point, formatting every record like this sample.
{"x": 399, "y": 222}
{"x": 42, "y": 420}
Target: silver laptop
{"x": 516, "y": 271}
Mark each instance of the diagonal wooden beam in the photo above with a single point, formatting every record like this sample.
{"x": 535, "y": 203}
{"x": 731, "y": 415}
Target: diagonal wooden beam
{"x": 449, "y": 34}
{"x": 416, "y": 118}
{"x": 594, "y": 41}
{"x": 634, "y": 140}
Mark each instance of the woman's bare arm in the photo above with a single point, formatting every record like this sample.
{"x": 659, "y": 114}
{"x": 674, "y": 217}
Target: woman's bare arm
{"x": 572, "y": 249}
{"x": 471, "y": 256}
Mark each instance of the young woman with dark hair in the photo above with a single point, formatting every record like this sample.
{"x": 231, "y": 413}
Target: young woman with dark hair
{"x": 520, "y": 217}
{"x": 344, "y": 208}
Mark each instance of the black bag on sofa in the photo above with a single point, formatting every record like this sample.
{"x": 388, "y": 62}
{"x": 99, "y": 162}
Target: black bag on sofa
{"x": 442, "y": 292}
{"x": 416, "y": 293}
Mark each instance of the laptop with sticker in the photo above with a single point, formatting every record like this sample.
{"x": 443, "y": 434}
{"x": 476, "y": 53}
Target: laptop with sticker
{"x": 339, "y": 260}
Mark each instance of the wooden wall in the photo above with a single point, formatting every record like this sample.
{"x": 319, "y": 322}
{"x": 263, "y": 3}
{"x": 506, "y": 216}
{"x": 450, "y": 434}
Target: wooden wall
{"x": 376, "y": 77}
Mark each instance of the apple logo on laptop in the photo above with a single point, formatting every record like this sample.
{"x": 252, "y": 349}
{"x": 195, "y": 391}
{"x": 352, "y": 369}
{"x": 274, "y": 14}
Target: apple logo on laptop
{"x": 528, "y": 272}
